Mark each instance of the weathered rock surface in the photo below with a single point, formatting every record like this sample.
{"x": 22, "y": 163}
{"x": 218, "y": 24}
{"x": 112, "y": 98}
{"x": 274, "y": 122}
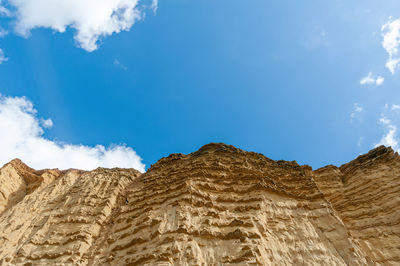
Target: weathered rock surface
{"x": 217, "y": 206}
{"x": 365, "y": 193}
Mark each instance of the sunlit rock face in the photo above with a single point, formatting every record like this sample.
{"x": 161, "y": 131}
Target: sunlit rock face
{"x": 217, "y": 206}
{"x": 365, "y": 194}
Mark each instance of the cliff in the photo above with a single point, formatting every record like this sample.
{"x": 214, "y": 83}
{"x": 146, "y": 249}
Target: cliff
{"x": 365, "y": 193}
{"x": 219, "y": 205}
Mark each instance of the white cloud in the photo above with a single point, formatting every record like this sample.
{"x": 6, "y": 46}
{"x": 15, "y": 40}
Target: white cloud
{"x": 395, "y": 107}
{"x": 384, "y": 121}
{"x": 357, "y": 110}
{"x": 22, "y": 137}
{"x": 389, "y": 120}
{"x": 380, "y": 80}
{"x": 92, "y": 19}
{"x": 46, "y": 123}
{"x": 3, "y": 58}
{"x": 391, "y": 42}
{"x": 389, "y": 138}
{"x": 154, "y": 5}
{"x": 369, "y": 79}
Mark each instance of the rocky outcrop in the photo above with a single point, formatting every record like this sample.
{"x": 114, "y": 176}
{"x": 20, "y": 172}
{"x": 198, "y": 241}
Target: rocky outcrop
{"x": 365, "y": 193}
{"x": 219, "y": 205}
{"x": 18, "y": 180}
{"x": 58, "y": 223}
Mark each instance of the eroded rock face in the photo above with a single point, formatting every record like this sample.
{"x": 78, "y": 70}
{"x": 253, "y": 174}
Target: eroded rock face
{"x": 366, "y": 195}
{"x": 217, "y": 206}
{"x": 60, "y": 223}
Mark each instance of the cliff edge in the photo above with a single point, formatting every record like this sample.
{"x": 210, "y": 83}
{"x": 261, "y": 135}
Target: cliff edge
{"x": 216, "y": 206}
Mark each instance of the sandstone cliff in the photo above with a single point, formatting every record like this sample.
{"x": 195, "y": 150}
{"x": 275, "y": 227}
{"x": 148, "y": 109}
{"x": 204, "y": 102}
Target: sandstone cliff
{"x": 365, "y": 193}
{"x": 217, "y": 206}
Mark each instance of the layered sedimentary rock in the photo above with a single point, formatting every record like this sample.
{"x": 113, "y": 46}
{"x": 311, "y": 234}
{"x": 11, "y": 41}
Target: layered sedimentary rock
{"x": 58, "y": 222}
{"x": 366, "y": 195}
{"x": 221, "y": 205}
{"x": 217, "y": 206}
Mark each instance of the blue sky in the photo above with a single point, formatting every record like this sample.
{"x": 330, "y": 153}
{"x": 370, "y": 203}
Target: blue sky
{"x": 277, "y": 77}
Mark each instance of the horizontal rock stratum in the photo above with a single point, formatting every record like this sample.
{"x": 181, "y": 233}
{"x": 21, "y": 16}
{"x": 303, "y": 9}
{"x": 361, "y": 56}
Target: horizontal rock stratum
{"x": 217, "y": 206}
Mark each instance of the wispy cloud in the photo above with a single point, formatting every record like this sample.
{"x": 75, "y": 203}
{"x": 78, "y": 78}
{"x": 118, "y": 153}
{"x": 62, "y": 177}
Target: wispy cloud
{"x": 360, "y": 142}
{"x": 3, "y": 58}
{"x": 391, "y": 42}
{"x": 154, "y": 5}
{"x": 46, "y": 123}
{"x": 118, "y": 64}
{"x": 389, "y": 138}
{"x": 3, "y": 32}
{"x": 395, "y": 107}
{"x": 389, "y": 122}
{"x": 4, "y": 11}
{"x": 357, "y": 110}
{"x": 92, "y": 19}
{"x": 24, "y": 139}
{"x": 370, "y": 79}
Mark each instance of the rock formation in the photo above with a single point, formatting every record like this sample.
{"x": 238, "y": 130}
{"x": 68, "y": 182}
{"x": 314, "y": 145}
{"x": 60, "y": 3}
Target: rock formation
{"x": 217, "y": 206}
{"x": 365, "y": 193}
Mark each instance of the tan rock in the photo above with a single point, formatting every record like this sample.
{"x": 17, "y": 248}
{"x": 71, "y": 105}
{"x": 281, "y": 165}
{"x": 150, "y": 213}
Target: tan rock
{"x": 366, "y": 195}
{"x": 217, "y": 206}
